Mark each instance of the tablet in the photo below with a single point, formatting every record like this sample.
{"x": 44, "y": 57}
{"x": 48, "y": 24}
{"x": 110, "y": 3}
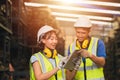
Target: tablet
{"x": 72, "y": 59}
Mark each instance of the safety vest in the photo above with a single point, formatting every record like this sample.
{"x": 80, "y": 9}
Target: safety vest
{"x": 46, "y": 66}
{"x": 93, "y": 72}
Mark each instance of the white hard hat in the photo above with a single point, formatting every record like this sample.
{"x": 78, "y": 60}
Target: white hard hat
{"x": 44, "y": 30}
{"x": 83, "y": 21}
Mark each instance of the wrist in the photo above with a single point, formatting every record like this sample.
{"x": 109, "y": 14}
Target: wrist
{"x": 90, "y": 55}
{"x": 58, "y": 68}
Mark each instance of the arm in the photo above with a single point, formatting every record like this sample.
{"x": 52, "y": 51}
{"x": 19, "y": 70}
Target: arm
{"x": 42, "y": 76}
{"x": 100, "y": 58}
{"x": 11, "y": 70}
{"x": 70, "y": 74}
{"x": 100, "y": 61}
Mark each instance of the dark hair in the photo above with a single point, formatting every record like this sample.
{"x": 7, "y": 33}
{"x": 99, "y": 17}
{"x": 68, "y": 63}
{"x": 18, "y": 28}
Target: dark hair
{"x": 45, "y": 36}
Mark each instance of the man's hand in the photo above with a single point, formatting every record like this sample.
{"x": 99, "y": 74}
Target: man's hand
{"x": 84, "y": 53}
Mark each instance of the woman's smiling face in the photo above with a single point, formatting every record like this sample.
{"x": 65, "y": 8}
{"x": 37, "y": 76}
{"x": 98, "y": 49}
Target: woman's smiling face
{"x": 50, "y": 40}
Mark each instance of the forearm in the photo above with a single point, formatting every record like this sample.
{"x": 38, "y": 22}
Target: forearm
{"x": 47, "y": 75}
{"x": 70, "y": 74}
{"x": 100, "y": 61}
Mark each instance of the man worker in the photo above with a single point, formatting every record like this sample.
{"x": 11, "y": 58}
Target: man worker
{"x": 92, "y": 51}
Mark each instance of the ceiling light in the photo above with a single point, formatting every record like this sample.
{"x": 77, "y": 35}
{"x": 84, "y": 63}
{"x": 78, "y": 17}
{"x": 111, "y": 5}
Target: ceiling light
{"x": 84, "y": 9}
{"x": 34, "y": 4}
{"x": 92, "y": 2}
{"x": 76, "y": 16}
{"x": 73, "y": 8}
{"x": 73, "y": 20}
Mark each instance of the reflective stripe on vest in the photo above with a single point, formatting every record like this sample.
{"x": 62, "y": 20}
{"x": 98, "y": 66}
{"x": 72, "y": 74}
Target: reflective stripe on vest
{"x": 92, "y": 70}
{"x": 46, "y": 66}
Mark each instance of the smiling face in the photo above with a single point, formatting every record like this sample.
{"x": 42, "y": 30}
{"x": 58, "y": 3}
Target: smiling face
{"x": 82, "y": 33}
{"x": 50, "y": 41}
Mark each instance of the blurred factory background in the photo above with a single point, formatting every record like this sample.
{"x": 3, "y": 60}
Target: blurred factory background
{"x": 20, "y": 20}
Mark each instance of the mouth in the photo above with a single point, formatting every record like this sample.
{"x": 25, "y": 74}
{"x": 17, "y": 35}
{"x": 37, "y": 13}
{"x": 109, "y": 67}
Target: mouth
{"x": 80, "y": 39}
{"x": 53, "y": 46}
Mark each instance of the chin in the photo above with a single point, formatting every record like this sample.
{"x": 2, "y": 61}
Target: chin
{"x": 53, "y": 48}
{"x": 80, "y": 40}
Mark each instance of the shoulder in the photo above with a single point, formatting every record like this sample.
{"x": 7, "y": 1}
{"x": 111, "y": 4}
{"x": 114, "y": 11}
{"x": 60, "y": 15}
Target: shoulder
{"x": 34, "y": 57}
{"x": 101, "y": 49}
{"x": 100, "y": 42}
{"x": 94, "y": 38}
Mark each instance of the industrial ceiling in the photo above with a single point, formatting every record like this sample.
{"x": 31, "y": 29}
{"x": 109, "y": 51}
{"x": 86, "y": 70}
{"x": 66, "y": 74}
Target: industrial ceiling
{"x": 101, "y": 12}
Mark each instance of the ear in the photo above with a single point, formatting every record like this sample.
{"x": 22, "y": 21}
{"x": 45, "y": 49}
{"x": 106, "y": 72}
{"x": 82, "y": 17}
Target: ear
{"x": 43, "y": 40}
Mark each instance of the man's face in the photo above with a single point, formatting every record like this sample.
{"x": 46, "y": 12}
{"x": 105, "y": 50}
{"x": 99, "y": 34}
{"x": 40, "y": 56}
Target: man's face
{"x": 82, "y": 33}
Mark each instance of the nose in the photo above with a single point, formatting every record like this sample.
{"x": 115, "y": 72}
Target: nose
{"x": 55, "y": 41}
{"x": 79, "y": 35}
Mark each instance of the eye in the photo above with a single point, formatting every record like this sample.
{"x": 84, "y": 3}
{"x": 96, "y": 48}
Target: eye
{"x": 83, "y": 33}
{"x": 51, "y": 38}
{"x": 56, "y": 38}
